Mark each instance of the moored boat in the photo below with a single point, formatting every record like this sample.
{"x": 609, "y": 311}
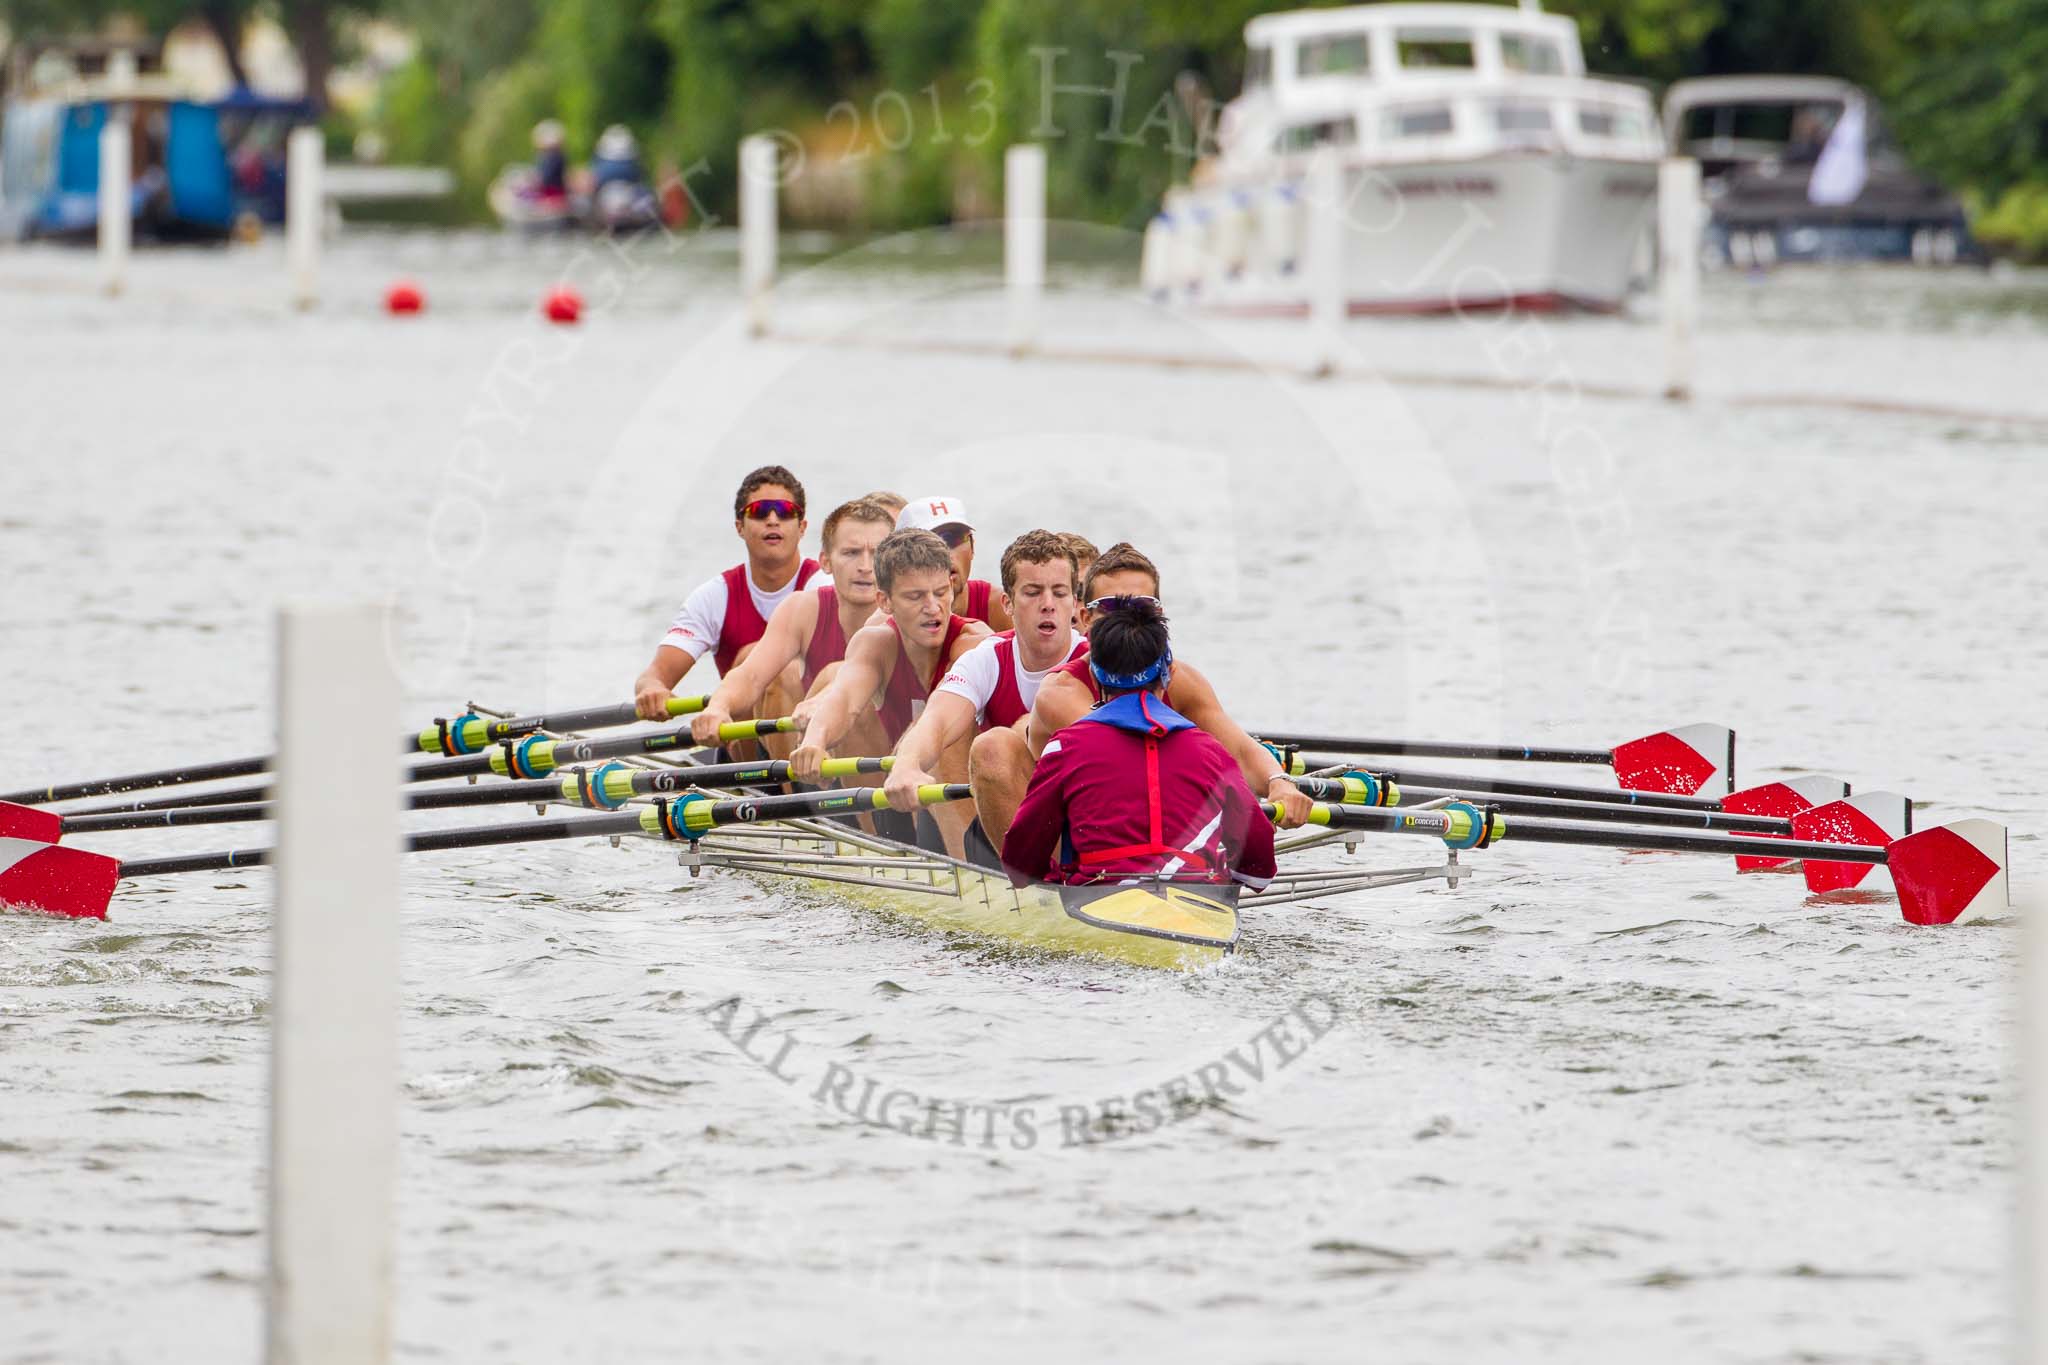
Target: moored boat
{"x": 1480, "y": 166}
{"x": 1802, "y": 168}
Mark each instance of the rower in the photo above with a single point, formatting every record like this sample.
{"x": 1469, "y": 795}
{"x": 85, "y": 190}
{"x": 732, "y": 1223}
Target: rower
{"x": 1084, "y": 552}
{"x": 895, "y": 502}
{"x": 1086, "y": 819}
{"x": 728, "y": 615}
{"x": 1001, "y": 761}
{"x": 809, "y": 630}
{"x": 946, "y": 518}
{"x": 892, "y": 665}
{"x": 993, "y": 685}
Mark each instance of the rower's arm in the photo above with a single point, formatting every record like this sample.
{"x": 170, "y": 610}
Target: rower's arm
{"x": 829, "y": 715}
{"x": 789, "y": 631}
{"x": 947, "y": 720}
{"x": 1263, "y": 773}
{"x": 657, "y": 682}
{"x": 1062, "y": 700}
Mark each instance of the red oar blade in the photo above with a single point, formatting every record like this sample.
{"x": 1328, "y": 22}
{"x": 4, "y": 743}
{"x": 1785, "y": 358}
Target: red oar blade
{"x": 27, "y": 822}
{"x": 1951, "y": 874}
{"x": 1689, "y": 759}
{"x": 56, "y": 880}
{"x": 1781, "y": 801}
{"x": 1873, "y": 818}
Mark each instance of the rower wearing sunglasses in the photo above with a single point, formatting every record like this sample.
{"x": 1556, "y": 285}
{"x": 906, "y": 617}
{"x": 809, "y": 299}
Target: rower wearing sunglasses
{"x": 1001, "y": 761}
{"x": 946, "y": 518}
{"x": 727, "y": 616}
{"x": 1133, "y": 791}
{"x": 891, "y": 667}
{"x": 807, "y": 635}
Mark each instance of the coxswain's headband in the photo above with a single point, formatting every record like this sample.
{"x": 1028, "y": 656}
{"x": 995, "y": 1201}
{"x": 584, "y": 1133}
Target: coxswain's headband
{"x": 1152, "y": 676}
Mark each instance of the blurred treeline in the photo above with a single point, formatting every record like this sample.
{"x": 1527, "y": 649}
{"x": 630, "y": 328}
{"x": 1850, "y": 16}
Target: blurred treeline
{"x": 903, "y": 107}
{"x": 926, "y": 93}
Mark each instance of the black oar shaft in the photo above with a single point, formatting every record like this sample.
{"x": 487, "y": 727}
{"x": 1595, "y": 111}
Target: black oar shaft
{"x": 1481, "y": 784}
{"x": 1422, "y": 748}
{"x": 227, "y": 796}
{"x": 1605, "y": 836}
{"x": 163, "y": 777}
{"x": 166, "y": 819}
{"x": 1587, "y": 810}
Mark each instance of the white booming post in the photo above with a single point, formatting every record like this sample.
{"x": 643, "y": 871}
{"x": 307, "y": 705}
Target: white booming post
{"x": 757, "y": 228}
{"x": 2033, "y": 1128}
{"x": 1024, "y": 240}
{"x": 305, "y": 157}
{"x": 1323, "y": 274}
{"x": 1678, "y": 268}
{"x": 116, "y": 178}
{"x": 334, "y": 994}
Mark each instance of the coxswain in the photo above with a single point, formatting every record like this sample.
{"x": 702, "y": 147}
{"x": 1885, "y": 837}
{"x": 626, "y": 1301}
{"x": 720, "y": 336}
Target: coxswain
{"x": 1002, "y": 760}
{"x": 892, "y": 665}
{"x": 946, "y": 518}
{"x": 808, "y": 632}
{"x": 993, "y": 684}
{"x": 728, "y": 615}
{"x": 1134, "y": 791}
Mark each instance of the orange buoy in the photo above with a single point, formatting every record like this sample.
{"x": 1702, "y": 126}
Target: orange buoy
{"x": 404, "y": 297}
{"x": 562, "y": 304}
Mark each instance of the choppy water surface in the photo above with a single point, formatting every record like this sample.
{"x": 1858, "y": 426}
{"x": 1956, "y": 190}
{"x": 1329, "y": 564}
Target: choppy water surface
{"x": 1589, "y": 1107}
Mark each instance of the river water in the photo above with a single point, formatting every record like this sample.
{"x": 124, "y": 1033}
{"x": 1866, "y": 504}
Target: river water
{"x": 1588, "y": 1107}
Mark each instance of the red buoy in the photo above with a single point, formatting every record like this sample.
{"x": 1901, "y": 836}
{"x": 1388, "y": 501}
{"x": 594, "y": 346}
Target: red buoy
{"x": 404, "y": 297}
{"x": 562, "y": 304}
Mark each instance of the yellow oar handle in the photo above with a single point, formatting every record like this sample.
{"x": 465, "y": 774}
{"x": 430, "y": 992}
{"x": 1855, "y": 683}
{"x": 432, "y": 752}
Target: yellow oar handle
{"x": 689, "y": 817}
{"x": 1459, "y": 824}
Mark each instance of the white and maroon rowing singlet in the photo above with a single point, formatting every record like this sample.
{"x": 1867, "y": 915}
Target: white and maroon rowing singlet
{"x": 993, "y": 678}
{"x": 729, "y": 613}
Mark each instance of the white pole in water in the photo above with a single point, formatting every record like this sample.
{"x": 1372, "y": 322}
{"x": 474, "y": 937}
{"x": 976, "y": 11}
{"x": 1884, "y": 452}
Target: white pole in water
{"x": 1678, "y": 265}
{"x": 1323, "y": 274}
{"x": 116, "y": 179}
{"x": 305, "y": 158}
{"x": 757, "y": 228}
{"x": 2033, "y": 1121}
{"x": 334, "y": 994}
{"x": 1024, "y": 241}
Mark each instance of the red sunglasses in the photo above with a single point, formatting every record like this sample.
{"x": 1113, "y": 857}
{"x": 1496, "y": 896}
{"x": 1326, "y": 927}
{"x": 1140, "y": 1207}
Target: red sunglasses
{"x": 760, "y": 509}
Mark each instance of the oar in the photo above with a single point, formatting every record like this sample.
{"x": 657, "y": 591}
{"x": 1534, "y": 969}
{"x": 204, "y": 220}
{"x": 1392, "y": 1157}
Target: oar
{"x": 1806, "y": 806}
{"x": 1683, "y": 760}
{"x": 59, "y": 880}
{"x": 605, "y": 788}
{"x": 535, "y": 756}
{"x": 466, "y": 727}
{"x": 468, "y": 734}
{"x": 1891, "y": 812}
{"x": 1951, "y": 874}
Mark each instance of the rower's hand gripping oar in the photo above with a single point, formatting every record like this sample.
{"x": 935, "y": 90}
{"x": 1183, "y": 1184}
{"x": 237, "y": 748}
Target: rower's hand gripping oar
{"x": 468, "y": 734}
{"x": 58, "y": 880}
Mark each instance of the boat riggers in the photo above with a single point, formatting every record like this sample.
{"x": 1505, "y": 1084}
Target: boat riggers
{"x": 1684, "y": 761}
{"x": 58, "y": 880}
{"x": 1951, "y": 874}
{"x": 465, "y": 735}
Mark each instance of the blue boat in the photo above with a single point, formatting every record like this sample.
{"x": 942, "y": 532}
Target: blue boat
{"x": 50, "y": 168}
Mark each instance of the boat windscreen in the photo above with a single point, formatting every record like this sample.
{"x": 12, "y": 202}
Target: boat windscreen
{"x": 1525, "y": 52}
{"x": 1434, "y": 49}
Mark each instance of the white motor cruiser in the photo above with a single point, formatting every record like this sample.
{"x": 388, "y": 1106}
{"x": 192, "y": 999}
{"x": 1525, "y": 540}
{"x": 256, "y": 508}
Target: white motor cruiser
{"x": 1478, "y": 167}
